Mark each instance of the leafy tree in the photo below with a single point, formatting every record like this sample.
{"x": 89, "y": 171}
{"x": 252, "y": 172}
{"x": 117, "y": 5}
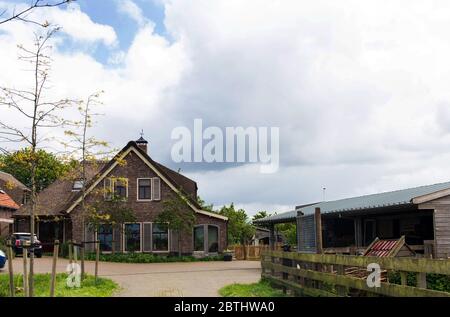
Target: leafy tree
{"x": 98, "y": 211}
{"x": 48, "y": 167}
{"x": 204, "y": 205}
{"x": 240, "y": 230}
{"x": 261, "y": 215}
{"x": 177, "y": 216}
{"x": 112, "y": 212}
{"x": 289, "y": 231}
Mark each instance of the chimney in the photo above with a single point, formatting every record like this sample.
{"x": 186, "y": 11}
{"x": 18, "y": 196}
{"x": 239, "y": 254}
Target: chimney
{"x": 142, "y": 143}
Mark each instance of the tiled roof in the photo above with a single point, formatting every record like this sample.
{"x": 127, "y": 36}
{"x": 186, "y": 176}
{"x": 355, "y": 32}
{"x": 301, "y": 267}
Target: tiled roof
{"x": 11, "y": 179}
{"x": 7, "y": 202}
{"x": 353, "y": 204}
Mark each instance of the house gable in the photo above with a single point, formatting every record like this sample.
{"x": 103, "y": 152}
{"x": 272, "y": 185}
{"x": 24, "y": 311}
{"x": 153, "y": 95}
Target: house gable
{"x": 132, "y": 152}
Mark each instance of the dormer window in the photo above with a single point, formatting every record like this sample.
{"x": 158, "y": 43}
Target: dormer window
{"x": 77, "y": 185}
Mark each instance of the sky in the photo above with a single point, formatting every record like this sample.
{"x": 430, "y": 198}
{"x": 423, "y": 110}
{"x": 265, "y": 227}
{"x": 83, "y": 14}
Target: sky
{"x": 358, "y": 89}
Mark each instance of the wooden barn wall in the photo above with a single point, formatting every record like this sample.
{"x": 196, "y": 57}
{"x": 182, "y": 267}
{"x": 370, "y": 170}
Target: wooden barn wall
{"x": 441, "y": 217}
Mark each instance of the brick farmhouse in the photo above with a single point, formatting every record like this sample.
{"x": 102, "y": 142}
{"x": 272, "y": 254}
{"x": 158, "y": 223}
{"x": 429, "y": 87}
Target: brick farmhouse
{"x": 144, "y": 185}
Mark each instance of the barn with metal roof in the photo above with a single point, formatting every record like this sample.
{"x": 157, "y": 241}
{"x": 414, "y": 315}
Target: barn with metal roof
{"x": 422, "y": 214}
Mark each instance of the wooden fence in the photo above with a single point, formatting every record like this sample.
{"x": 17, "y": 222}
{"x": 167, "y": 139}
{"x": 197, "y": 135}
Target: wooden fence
{"x": 307, "y": 274}
{"x": 251, "y": 252}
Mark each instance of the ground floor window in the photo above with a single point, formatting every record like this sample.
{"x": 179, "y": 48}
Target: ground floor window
{"x": 132, "y": 237}
{"x": 213, "y": 239}
{"x": 199, "y": 238}
{"x": 160, "y": 237}
{"x": 105, "y": 236}
{"x": 210, "y": 240}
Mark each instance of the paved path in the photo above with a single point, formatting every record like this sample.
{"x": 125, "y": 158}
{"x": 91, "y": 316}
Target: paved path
{"x": 165, "y": 279}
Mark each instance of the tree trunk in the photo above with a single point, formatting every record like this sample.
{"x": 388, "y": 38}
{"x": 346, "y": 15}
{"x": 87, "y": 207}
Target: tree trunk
{"x": 179, "y": 244}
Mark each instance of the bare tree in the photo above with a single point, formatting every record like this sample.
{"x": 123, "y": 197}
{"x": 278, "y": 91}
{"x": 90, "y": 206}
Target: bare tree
{"x": 23, "y": 14}
{"x": 85, "y": 148}
{"x": 38, "y": 114}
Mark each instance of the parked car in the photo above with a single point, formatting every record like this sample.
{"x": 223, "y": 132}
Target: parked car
{"x": 19, "y": 238}
{"x": 2, "y": 259}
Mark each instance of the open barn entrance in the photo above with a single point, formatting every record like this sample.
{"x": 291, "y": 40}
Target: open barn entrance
{"x": 358, "y": 231}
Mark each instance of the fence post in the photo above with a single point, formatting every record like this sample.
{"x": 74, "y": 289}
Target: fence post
{"x": 97, "y": 258}
{"x": 404, "y": 277}
{"x": 25, "y": 269}
{"x": 70, "y": 245}
{"x": 55, "y": 258}
{"x": 318, "y": 222}
{"x": 10, "y": 268}
{"x": 82, "y": 260}
{"x": 341, "y": 290}
{"x": 422, "y": 280}
{"x": 75, "y": 252}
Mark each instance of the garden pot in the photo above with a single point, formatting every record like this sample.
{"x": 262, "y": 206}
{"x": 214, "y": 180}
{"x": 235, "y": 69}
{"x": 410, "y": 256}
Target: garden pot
{"x": 227, "y": 257}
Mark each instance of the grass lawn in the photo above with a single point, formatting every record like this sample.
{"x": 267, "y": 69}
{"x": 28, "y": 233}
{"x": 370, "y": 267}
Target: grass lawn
{"x": 103, "y": 288}
{"x": 260, "y": 289}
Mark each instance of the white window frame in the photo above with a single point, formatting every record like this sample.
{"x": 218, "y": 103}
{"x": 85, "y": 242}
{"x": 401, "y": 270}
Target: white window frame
{"x": 159, "y": 189}
{"x": 124, "y": 240}
{"x": 151, "y": 237}
{"x": 151, "y": 188}
{"x": 168, "y": 240}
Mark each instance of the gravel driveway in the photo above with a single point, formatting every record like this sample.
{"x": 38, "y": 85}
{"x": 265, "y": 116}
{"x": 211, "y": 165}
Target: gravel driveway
{"x": 164, "y": 279}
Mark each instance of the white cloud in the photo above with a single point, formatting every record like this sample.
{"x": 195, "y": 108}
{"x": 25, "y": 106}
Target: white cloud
{"x": 75, "y": 23}
{"x": 132, "y": 10}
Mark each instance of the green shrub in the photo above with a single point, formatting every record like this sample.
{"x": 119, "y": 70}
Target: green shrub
{"x": 437, "y": 282}
{"x": 261, "y": 289}
{"x": 149, "y": 258}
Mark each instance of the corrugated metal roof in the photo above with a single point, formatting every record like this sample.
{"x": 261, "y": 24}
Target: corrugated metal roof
{"x": 386, "y": 199}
